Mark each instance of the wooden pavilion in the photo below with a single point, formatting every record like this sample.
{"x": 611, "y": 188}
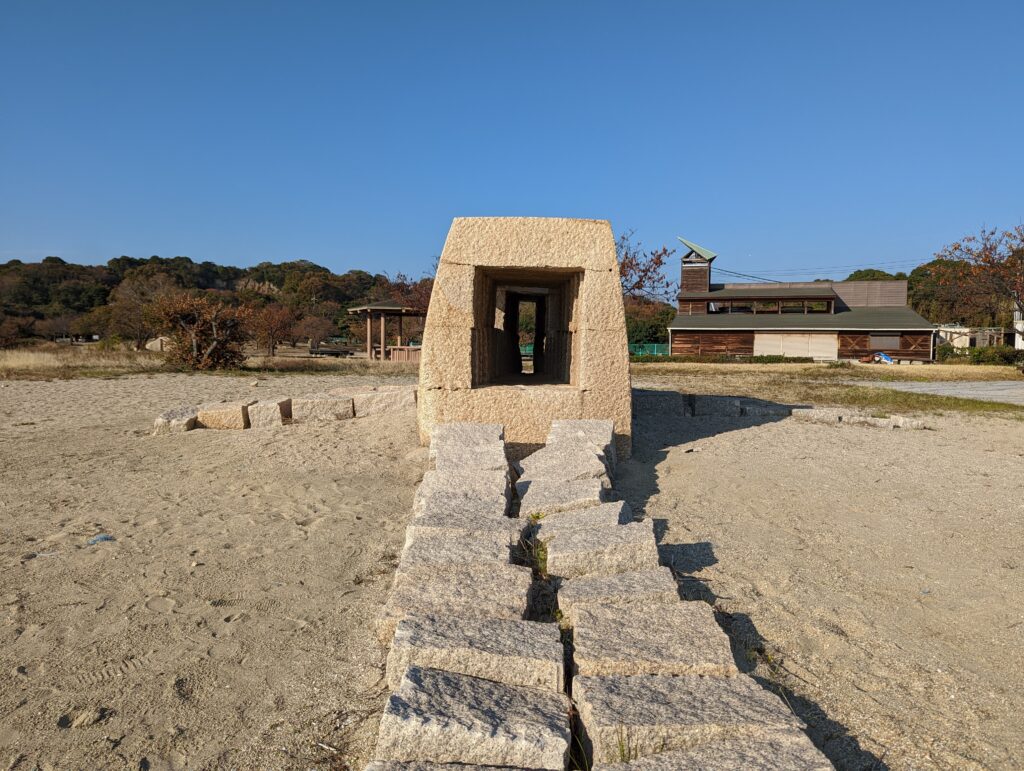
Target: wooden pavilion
{"x": 382, "y": 310}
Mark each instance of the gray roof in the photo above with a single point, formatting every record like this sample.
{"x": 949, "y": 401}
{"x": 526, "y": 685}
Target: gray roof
{"x": 782, "y": 291}
{"x": 700, "y": 251}
{"x": 879, "y": 319}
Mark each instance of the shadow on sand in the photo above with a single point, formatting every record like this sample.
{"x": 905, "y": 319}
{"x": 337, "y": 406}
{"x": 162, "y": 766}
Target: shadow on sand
{"x": 663, "y": 420}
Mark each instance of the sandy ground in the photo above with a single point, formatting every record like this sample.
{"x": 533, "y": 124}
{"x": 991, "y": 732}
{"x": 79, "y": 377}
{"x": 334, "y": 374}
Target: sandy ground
{"x": 879, "y": 571}
{"x": 874, "y": 577}
{"x": 228, "y": 625}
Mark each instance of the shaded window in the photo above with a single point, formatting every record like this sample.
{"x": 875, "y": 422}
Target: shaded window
{"x": 792, "y": 306}
{"x": 818, "y": 306}
{"x": 885, "y": 342}
{"x": 742, "y": 306}
{"x": 766, "y": 306}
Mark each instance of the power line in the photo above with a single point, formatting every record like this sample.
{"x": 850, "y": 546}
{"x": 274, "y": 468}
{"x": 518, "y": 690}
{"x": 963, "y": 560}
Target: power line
{"x": 744, "y": 275}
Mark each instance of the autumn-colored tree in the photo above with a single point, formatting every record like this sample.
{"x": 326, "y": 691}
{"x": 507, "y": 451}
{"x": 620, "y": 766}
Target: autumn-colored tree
{"x": 271, "y": 326}
{"x": 995, "y": 262}
{"x": 643, "y": 272}
{"x": 313, "y": 329}
{"x": 205, "y": 333}
{"x": 131, "y": 303}
{"x": 13, "y": 328}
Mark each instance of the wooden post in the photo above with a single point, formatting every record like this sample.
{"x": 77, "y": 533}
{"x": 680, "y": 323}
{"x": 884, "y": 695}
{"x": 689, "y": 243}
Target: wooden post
{"x": 399, "y": 330}
{"x": 369, "y": 335}
{"x": 383, "y": 339}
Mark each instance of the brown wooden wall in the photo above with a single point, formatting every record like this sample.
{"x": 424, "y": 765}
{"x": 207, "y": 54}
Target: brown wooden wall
{"x": 712, "y": 343}
{"x": 913, "y": 345}
{"x": 695, "y": 278}
{"x": 690, "y": 308}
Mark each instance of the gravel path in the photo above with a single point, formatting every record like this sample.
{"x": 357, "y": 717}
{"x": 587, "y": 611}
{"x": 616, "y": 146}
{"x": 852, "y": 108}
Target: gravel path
{"x": 1008, "y": 391}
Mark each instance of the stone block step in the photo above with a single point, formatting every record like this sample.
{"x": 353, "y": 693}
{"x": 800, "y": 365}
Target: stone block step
{"x": 597, "y": 434}
{"x": 321, "y": 408}
{"x": 458, "y": 457}
{"x": 454, "y": 523}
{"x": 434, "y": 550}
{"x": 176, "y": 421}
{"x": 454, "y": 503}
{"x": 522, "y": 653}
{"x": 270, "y": 412}
{"x": 443, "y": 717}
{"x": 647, "y": 714}
{"x": 473, "y": 483}
{"x": 681, "y": 638}
{"x": 464, "y": 435}
{"x": 470, "y": 592}
{"x": 601, "y": 550}
{"x": 602, "y": 515}
{"x": 644, "y": 588}
{"x": 545, "y": 496}
{"x": 791, "y": 751}
{"x": 562, "y": 462}
{"x": 224, "y": 415}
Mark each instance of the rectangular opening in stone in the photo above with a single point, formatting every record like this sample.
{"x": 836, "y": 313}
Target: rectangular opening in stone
{"x": 538, "y": 304}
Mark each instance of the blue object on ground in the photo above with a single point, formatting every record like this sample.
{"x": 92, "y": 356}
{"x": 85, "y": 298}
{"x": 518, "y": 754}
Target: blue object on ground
{"x": 100, "y": 539}
{"x": 884, "y": 357}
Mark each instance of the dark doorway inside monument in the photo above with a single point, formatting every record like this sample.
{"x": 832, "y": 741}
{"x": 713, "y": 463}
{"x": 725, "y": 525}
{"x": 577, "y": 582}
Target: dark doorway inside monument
{"x": 531, "y": 315}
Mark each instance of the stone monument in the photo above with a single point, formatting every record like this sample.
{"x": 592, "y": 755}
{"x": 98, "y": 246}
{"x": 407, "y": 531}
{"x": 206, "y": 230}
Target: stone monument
{"x": 496, "y": 271}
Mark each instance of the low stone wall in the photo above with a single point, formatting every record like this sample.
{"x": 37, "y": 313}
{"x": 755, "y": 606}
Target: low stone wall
{"x": 531, "y": 626}
{"x": 269, "y": 412}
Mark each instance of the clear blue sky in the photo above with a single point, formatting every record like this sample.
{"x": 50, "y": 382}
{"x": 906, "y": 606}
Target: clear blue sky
{"x": 783, "y": 135}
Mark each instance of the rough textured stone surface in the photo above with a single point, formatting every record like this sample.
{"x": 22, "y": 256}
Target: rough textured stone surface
{"x": 603, "y": 515}
{"x": 458, "y": 317}
{"x": 463, "y": 434}
{"x": 465, "y": 592}
{"x": 176, "y": 421}
{"x": 680, "y": 638}
{"x": 525, "y": 410}
{"x": 643, "y": 588}
{"x": 522, "y": 653}
{"x": 454, "y": 524}
{"x": 486, "y": 457}
{"x": 791, "y": 750}
{"x": 867, "y": 420}
{"x": 601, "y": 550}
{"x": 825, "y": 415}
{"x": 544, "y": 496}
{"x": 381, "y": 399}
{"x": 267, "y": 413}
{"x": 651, "y": 713}
{"x": 562, "y": 462}
{"x": 479, "y": 485}
{"x": 450, "y": 718}
{"x": 321, "y": 408}
{"x": 224, "y": 415}
{"x": 454, "y": 504}
{"x": 430, "y": 551}
{"x": 598, "y": 434}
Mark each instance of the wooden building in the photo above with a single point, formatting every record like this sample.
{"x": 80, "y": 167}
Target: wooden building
{"x": 823, "y": 320}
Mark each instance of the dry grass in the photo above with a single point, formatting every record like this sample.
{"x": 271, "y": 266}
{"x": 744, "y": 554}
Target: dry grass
{"x": 845, "y": 371}
{"x": 62, "y": 362}
{"x": 819, "y": 384}
{"x": 52, "y": 362}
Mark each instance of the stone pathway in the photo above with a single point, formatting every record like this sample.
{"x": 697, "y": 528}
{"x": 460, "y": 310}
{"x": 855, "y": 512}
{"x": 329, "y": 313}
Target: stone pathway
{"x": 553, "y": 639}
{"x": 1007, "y": 391}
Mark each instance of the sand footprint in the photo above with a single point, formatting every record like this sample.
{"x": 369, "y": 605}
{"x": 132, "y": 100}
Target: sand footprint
{"x": 161, "y": 604}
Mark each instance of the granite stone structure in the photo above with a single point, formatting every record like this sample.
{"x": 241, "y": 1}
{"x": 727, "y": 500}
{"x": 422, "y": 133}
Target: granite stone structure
{"x": 472, "y": 367}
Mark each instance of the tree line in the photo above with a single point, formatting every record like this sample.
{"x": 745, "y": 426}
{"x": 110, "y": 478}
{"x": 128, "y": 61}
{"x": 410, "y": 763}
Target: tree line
{"x": 978, "y": 281}
{"x": 290, "y": 301}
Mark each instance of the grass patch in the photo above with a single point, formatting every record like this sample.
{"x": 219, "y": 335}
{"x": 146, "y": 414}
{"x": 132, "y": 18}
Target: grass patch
{"x": 66, "y": 362}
